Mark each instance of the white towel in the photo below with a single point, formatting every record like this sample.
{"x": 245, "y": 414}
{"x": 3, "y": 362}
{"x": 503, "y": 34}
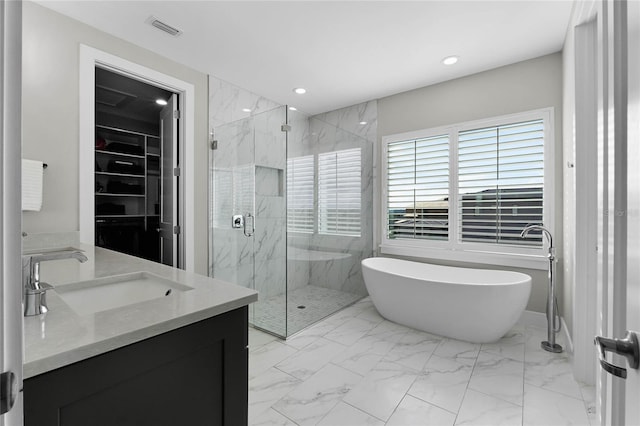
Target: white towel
{"x": 32, "y": 185}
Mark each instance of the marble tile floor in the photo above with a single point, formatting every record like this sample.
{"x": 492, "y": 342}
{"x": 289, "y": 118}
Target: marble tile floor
{"x": 355, "y": 368}
{"x": 317, "y": 303}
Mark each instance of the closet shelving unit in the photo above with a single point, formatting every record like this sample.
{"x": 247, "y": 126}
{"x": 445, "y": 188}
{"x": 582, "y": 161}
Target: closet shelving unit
{"x": 127, "y": 183}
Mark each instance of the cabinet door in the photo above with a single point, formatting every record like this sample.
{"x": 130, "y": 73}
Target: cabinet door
{"x": 196, "y": 375}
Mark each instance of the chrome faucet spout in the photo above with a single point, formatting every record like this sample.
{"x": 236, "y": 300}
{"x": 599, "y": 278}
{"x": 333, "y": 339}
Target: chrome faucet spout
{"x": 35, "y": 289}
{"x": 544, "y": 230}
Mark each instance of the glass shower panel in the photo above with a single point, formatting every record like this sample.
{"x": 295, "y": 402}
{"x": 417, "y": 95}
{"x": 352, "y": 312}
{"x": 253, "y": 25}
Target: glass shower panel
{"x": 270, "y": 238}
{"x": 329, "y": 218}
{"x": 291, "y": 216}
{"x": 247, "y": 213}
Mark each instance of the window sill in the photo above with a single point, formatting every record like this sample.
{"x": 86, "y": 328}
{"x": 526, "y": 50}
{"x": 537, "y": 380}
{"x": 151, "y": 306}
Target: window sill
{"x": 468, "y": 256}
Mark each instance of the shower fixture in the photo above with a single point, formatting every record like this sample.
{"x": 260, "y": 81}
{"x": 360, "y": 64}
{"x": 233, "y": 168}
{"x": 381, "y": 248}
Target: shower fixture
{"x": 552, "y": 302}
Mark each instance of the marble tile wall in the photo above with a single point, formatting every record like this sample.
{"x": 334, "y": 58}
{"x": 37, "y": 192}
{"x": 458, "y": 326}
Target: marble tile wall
{"x": 333, "y": 131}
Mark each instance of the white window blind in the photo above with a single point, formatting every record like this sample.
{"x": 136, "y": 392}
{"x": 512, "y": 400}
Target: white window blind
{"x": 339, "y": 192}
{"x": 418, "y": 188}
{"x": 501, "y": 180}
{"x": 300, "y": 193}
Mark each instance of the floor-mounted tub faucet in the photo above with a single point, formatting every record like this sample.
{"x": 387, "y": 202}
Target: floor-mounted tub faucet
{"x": 552, "y": 304}
{"x": 35, "y": 291}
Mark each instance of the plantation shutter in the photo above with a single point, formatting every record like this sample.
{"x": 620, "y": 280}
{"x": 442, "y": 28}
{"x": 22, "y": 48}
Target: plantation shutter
{"x": 418, "y": 188}
{"x": 340, "y": 192}
{"x": 300, "y": 192}
{"x": 500, "y": 182}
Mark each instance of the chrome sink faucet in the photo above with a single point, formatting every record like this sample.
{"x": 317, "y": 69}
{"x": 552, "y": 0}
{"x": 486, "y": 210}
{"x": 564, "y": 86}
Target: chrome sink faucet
{"x": 35, "y": 291}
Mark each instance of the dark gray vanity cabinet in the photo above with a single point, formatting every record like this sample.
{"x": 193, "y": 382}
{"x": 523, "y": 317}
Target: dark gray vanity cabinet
{"x": 195, "y": 375}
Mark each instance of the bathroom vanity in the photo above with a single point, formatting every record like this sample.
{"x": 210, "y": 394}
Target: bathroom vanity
{"x": 176, "y": 357}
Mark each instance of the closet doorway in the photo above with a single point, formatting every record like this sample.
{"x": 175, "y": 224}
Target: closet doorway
{"x": 136, "y": 173}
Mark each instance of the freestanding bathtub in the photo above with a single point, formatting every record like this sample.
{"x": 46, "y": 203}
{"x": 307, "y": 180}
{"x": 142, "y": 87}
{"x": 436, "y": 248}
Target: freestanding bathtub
{"x": 474, "y": 305}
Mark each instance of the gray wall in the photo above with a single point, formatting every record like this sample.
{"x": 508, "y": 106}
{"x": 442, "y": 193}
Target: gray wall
{"x": 524, "y": 86}
{"x": 50, "y": 116}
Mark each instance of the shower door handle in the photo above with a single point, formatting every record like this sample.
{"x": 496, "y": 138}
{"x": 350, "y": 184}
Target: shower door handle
{"x": 253, "y": 225}
{"x": 627, "y": 347}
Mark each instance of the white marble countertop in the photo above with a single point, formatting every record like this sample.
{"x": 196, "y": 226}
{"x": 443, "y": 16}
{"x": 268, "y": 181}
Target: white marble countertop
{"x": 61, "y": 336}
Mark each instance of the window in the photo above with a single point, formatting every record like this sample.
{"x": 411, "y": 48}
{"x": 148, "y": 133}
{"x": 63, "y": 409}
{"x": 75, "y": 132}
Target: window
{"x": 470, "y": 187}
{"x": 418, "y": 188}
{"x": 300, "y": 192}
{"x": 339, "y": 192}
{"x": 500, "y": 182}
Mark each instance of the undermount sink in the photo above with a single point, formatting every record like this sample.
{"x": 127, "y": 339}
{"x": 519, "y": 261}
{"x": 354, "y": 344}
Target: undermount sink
{"x": 87, "y": 297}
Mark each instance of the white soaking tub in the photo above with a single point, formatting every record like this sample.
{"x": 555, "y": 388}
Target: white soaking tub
{"x": 474, "y": 305}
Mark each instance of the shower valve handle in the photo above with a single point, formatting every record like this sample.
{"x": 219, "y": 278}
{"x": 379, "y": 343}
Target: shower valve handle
{"x": 627, "y": 347}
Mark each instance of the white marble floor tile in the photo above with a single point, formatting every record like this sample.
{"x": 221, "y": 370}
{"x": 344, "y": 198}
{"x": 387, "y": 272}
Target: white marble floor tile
{"x": 363, "y": 355}
{"x": 271, "y": 418}
{"x": 308, "y": 403}
{"x": 258, "y": 338}
{"x": 413, "y": 411}
{"x": 266, "y": 389}
{"x": 311, "y": 358}
{"x": 552, "y": 372}
{"x": 382, "y": 389}
{"x": 345, "y": 414}
{"x": 388, "y": 331}
{"x": 350, "y": 331}
{"x": 544, "y": 408}
{"x": 512, "y": 345}
{"x": 300, "y": 341}
{"x": 499, "y": 377}
{"x": 443, "y": 383}
{"x": 371, "y": 314}
{"x": 266, "y": 356}
{"x": 414, "y": 349}
{"x": 479, "y": 409}
{"x": 463, "y": 352}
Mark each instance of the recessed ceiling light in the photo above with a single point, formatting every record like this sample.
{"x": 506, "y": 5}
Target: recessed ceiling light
{"x": 450, "y": 60}
{"x": 363, "y": 123}
{"x": 293, "y": 109}
{"x": 161, "y": 102}
{"x": 300, "y": 90}
{"x": 246, "y": 110}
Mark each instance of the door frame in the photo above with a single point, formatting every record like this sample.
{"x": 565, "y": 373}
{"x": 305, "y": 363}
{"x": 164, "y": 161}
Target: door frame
{"x": 11, "y": 342}
{"x": 89, "y": 59}
{"x": 610, "y": 224}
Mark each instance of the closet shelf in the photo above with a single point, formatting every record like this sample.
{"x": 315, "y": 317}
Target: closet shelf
{"x": 110, "y": 194}
{"x": 120, "y": 174}
{"x": 119, "y": 154}
{"x": 118, "y": 216}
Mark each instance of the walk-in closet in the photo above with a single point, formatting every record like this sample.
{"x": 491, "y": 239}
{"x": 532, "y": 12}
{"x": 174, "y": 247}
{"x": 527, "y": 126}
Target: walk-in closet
{"x": 129, "y": 151}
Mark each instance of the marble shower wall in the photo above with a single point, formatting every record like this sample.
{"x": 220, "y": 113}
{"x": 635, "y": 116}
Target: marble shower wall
{"x": 229, "y": 168}
{"x": 333, "y": 261}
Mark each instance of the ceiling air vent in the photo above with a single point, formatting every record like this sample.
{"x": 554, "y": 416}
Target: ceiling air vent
{"x": 163, "y": 26}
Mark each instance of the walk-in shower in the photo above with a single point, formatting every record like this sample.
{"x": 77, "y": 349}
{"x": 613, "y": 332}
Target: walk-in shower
{"x": 290, "y": 215}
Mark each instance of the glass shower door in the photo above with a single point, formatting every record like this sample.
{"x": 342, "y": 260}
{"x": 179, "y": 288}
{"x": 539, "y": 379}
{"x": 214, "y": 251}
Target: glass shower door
{"x": 248, "y": 213}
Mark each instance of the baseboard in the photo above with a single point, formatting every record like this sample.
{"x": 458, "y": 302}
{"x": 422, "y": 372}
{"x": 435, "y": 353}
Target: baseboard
{"x": 567, "y": 336}
{"x": 538, "y": 319}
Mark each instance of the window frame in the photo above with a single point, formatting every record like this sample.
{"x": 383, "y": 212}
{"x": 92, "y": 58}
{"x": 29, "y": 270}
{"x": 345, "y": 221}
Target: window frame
{"x": 453, "y": 248}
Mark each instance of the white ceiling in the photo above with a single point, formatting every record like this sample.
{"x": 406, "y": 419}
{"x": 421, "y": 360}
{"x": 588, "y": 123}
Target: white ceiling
{"x": 342, "y": 52}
